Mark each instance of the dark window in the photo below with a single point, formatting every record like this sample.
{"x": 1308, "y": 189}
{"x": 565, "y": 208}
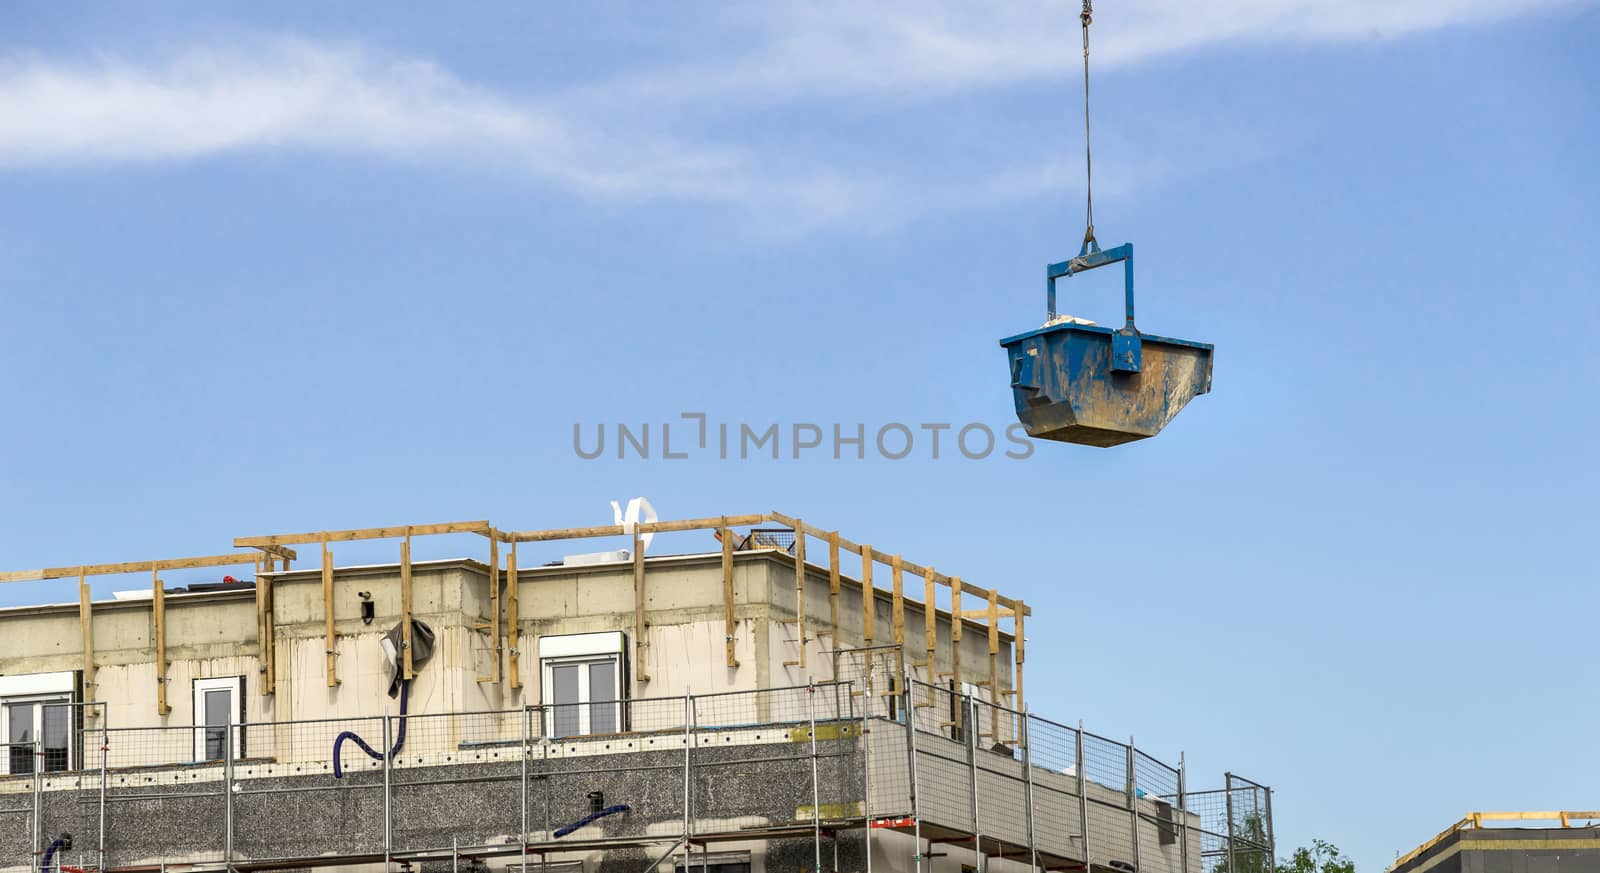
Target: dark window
{"x": 19, "y": 719}
{"x": 583, "y": 696}
{"x": 219, "y": 705}
{"x": 57, "y": 735}
{"x": 49, "y": 722}
{"x": 565, "y": 696}
{"x": 602, "y": 697}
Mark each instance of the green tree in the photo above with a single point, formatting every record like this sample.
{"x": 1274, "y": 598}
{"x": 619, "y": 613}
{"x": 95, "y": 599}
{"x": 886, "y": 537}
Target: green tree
{"x": 1321, "y": 857}
{"x": 1250, "y": 853}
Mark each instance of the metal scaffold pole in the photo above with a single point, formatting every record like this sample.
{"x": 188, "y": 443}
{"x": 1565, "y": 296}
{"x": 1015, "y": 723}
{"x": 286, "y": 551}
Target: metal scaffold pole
{"x": 522, "y": 838}
{"x": 388, "y": 820}
{"x": 910, "y": 709}
{"x": 105, "y": 751}
{"x": 1083, "y": 799}
{"x": 1133, "y": 802}
{"x": 816, "y": 793}
{"x": 1272, "y": 838}
{"x": 1183, "y": 813}
{"x": 227, "y": 792}
{"x": 866, "y": 765}
{"x": 38, "y": 804}
{"x": 971, "y": 707}
{"x": 1027, "y": 787}
{"x": 1227, "y": 794}
{"x": 688, "y": 746}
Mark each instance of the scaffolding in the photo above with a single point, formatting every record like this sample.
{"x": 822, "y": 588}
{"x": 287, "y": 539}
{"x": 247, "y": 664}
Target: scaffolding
{"x": 804, "y": 772}
{"x": 272, "y": 554}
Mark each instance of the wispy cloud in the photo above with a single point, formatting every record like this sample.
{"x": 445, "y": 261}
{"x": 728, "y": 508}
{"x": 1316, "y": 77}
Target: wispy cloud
{"x": 909, "y": 48}
{"x": 302, "y": 95}
{"x": 596, "y": 141}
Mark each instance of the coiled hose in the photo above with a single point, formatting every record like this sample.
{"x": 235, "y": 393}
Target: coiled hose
{"x": 58, "y": 844}
{"x": 374, "y": 754}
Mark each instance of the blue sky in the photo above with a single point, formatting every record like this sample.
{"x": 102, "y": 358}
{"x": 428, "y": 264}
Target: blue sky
{"x": 294, "y": 268}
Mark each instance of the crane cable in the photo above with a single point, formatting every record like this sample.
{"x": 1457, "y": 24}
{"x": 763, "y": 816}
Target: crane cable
{"x": 1088, "y": 160}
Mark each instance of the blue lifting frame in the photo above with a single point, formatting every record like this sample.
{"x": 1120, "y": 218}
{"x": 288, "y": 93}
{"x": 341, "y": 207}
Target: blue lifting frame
{"x": 1126, "y": 350}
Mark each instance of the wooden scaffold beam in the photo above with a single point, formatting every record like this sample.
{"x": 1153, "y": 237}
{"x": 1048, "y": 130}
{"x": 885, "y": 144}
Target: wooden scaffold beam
{"x": 513, "y": 621}
{"x": 725, "y": 534}
{"x": 332, "y": 641}
{"x": 86, "y": 625}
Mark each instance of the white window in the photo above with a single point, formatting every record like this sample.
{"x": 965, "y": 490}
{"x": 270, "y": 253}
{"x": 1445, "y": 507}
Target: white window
{"x": 37, "y": 722}
{"x": 582, "y": 687}
{"x": 218, "y": 703}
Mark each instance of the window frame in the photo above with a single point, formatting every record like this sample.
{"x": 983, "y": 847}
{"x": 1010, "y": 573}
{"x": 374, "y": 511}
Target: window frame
{"x": 38, "y": 703}
{"x": 585, "y": 703}
{"x": 584, "y": 651}
{"x": 41, "y": 691}
{"x": 234, "y": 686}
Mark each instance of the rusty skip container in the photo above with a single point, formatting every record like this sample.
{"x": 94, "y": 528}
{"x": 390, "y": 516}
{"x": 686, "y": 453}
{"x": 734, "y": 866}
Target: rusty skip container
{"x": 1096, "y": 386}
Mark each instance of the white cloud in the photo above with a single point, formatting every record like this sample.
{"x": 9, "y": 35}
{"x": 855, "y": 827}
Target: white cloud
{"x": 907, "y": 48}
{"x": 664, "y": 134}
{"x": 300, "y": 95}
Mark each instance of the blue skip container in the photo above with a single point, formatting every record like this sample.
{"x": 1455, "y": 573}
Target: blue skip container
{"x": 1096, "y": 386}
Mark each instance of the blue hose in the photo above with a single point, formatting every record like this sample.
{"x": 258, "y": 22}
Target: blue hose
{"x": 374, "y": 754}
{"x": 610, "y": 810}
{"x": 50, "y": 854}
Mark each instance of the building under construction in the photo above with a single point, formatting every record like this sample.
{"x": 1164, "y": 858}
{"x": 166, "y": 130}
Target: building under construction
{"x": 774, "y": 697}
{"x": 1510, "y": 842}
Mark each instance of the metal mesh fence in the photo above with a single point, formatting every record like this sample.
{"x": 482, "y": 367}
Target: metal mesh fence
{"x": 876, "y": 678}
{"x": 780, "y": 538}
{"x": 1152, "y": 778}
{"x": 1234, "y": 826}
{"x": 1052, "y": 754}
{"x": 1002, "y": 793}
{"x": 635, "y": 773}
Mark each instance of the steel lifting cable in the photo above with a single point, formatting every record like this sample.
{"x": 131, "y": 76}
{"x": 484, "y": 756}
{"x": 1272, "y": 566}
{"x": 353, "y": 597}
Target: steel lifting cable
{"x": 1086, "y": 17}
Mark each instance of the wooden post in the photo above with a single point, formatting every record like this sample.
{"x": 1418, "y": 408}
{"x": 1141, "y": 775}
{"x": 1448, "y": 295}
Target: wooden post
{"x": 158, "y": 606}
{"x": 899, "y": 611}
{"x": 992, "y": 618}
{"x": 833, "y": 588}
{"x": 513, "y": 619}
{"x": 638, "y": 608}
{"x": 800, "y": 590}
{"x": 869, "y": 597}
{"x": 494, "y": 610}
{"x": 86, "y": 623}
{"x": 729, "y": 625}
{"x": 899, "y": 614}
{"x": 262, "y": 640}
{"x": 269, "y": 642}
{"x": 408, "y": 670}
{"x": 955, "y": 630}
{"x": 1018, "y": 645}
{"x": 327, "y": 616}
{"x": 930, "y": 621}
